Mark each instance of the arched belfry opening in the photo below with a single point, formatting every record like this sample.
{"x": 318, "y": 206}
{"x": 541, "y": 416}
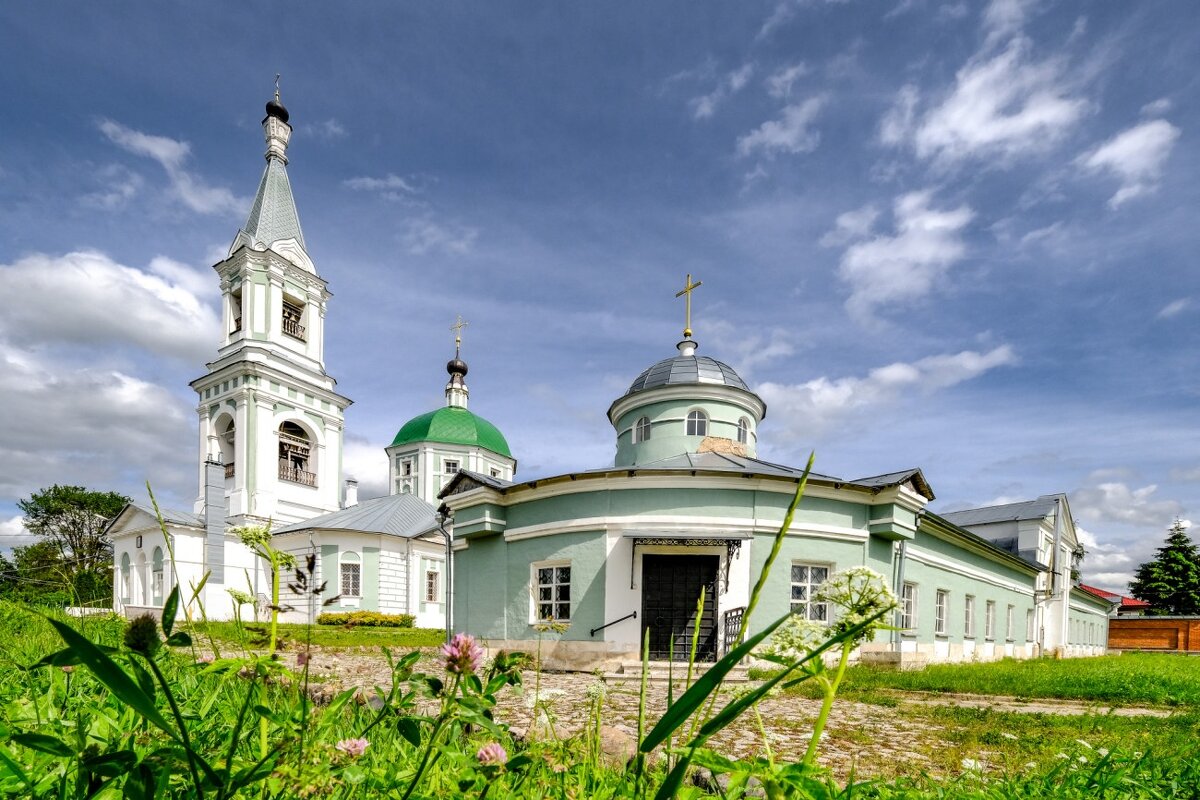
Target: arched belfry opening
{"x": 297, "y": 462}
{"x": 226, "y": 437}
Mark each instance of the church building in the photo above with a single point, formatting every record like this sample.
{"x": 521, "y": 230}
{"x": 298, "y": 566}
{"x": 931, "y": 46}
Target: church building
{"x": 610, "y": 553}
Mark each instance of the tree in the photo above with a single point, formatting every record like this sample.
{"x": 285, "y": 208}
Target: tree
{"x": 1170, "y": 582}
{"x": 71, "y": 520}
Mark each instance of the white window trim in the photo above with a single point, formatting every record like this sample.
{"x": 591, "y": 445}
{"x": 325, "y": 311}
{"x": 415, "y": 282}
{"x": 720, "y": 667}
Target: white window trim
{"x": 358, "y": 562}
{"x": 941, "y": 612}
{"x": 636, "y": 436}
{"x": 909, "y": 608}
{"x": 687, "y": 422}
{"x": 969, "y": 616}
{"x": 1010, "y": 622}
{"x": 989, "y": 621}
{"x": 533, "y": 589}
{"x": 829, "y": 570}
{"x": 1029, "y": 617}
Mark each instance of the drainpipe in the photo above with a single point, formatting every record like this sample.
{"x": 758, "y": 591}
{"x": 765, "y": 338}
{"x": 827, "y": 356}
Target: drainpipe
{"x": 899, "y": 585}
{"x": 442, "y": 519}
{"x": 1055, "y": 578}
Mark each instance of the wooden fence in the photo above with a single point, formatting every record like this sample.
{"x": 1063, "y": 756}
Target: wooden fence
{"x": 1179, "y": 634}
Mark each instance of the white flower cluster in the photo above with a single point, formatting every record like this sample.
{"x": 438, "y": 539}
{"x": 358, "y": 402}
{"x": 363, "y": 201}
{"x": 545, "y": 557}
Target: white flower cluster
{"x": 857, "y": 594}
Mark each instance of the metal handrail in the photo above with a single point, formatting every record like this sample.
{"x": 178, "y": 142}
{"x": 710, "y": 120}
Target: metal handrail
{"x": 630, "y": 615}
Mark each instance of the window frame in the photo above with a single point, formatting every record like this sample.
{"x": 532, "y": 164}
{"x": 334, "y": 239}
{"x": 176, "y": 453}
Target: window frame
{"x": 909, "y": 605}
{"x": 555, "y": 601}
{"x": 810, "y": 586}
{"x": 435, "y": 584}
{"x": 941, "y": 612}
{"x": 446, "y": 464}
{"x": 1010, "y": 622}
{"x": 989, "y": 621}
{"x": 743, "y": 431}
{"x": 642, "y": 430}
{"x": 969, "y": 616}
{"x": 696, "y": 423}
{"x": 349, "y": 558}
{"x": 1029, "y": 625}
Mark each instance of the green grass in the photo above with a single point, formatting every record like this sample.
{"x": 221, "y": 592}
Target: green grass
{"x": 1129, "y": 679}
{"x": 327, "y": 636}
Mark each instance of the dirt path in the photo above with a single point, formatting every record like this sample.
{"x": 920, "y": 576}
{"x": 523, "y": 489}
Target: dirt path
{"x": 862, "y": 739}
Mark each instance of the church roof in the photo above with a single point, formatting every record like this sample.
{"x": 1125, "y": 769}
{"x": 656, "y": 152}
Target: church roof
{"x": 403, "y": 515}
{"x": 453, "y": 425}
{"x": 273, "y": 216}
{"x": 1008, "y": 512}
{"x": 683, "y": 369}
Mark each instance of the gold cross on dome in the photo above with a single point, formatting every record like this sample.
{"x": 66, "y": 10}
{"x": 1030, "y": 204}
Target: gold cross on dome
{"x": 457, "y": 328}
{"x": 686, "y": 291}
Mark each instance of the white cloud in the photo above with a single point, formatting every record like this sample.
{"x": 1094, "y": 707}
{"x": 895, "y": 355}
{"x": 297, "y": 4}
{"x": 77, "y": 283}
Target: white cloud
{"x": 367, "y": 463}
{"x": 783, "y": 13}
{"x": 897, "y": 124}
{"x": 120, "y": 185}
{"x": 1115, "y": 582}
{"x": 1135, "y": 156}
{"x": 93, "y": 426}
{"x": 1003, "y": 18}
{"x": 171, "y": 155}
{"x": 327, "y": 131}
{"x": 747, "y": 352}
{"x": 808, "y": 408}
{"x": 791, "y": 133}
{"x": 851, "y": 225}
{"x": 1186, "y": 475}
{"x": 1175, "y": 307}
{"x": 1002, "y": 106}
{"x": 779, "y": 83}
{"x": 1101, "y": 555}
{"x": 1042, "y": 235}
{"x": 14, "y": 534}
{"x": 905, "y": 266}
{"x": 1156, "y": 108}
{"x": 705, "y": 106}
{"x": 86, "y": 297}
{"x": 424, "y": 235}
{"x": 1117, "y": 502}
{"x": 390, "y": 185}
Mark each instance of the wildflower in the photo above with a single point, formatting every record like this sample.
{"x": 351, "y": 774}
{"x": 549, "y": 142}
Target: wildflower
{"x": 1008, "y": 735}
{"x": 492, "y": 755}
{"x": 1102, "y": 751}
{"x": 68, "y": 669}
{"x": 1082, "y": 743}
{"x": 204, "y": 658}
{"x": 1082, "y": 759}
{"x": 463, "y": 655}
{"x": 1061, "y": 755}
{"x": 859, "y": 593}
{"x": 352, "y": 747}
{"x": 796, "y": 638}
{"x": 596, "y": 691}
{"x": 972, "y": 765}
{"x": 240, "y": 597}
{"x": 142, "y": 635}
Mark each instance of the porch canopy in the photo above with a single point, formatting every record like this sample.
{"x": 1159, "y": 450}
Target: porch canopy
{"x": 730, "y": 540}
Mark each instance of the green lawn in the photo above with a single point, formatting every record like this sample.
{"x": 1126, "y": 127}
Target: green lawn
{"x": 1129, "y": 679}
{"x": 324, "y": 635}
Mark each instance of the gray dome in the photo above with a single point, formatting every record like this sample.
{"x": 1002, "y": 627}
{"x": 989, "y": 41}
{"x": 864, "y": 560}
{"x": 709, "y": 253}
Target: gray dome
{"x": 682, "y": 370}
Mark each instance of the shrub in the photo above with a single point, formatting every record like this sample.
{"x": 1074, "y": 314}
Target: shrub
{"x": 369, "y": 619}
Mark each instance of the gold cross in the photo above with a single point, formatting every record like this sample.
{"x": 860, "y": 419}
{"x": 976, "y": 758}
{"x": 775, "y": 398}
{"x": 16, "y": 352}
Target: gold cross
{"x": 457, "y": 328}
{"x": 688, "y": 288}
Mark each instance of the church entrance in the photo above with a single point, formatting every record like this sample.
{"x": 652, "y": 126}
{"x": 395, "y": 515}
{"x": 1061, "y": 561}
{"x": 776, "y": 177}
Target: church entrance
{"x": 670, "y": 590}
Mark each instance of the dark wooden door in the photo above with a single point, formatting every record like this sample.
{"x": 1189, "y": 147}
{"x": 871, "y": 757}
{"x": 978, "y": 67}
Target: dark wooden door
{"x": 670, "y": 591}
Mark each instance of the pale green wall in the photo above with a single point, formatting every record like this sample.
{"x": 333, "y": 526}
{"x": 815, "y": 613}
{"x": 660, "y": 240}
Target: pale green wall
{"x": 668, "y": 429}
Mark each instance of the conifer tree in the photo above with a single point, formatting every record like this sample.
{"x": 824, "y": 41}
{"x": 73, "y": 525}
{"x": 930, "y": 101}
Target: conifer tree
{"x": 1170, "y": 581}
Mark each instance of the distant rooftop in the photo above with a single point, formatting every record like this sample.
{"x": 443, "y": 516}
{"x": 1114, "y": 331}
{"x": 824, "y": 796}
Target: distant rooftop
{"x": 403, "y": 515}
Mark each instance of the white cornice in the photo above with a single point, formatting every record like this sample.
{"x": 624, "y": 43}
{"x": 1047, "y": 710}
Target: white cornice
{"x": 689, "y": 392}
{"x": 941, "y": 562}
{"x": 670, "y": 524}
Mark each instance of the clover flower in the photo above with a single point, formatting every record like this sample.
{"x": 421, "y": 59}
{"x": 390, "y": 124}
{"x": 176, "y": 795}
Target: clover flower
{"x": 142, "y": 635}
{"x": 492, "y": 755}
{"x": 463, "y": 655}
{"x": 353, "y": 747}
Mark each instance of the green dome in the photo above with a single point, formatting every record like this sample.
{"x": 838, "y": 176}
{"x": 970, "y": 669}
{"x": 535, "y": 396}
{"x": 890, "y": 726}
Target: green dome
{"x": 453, "y": 425}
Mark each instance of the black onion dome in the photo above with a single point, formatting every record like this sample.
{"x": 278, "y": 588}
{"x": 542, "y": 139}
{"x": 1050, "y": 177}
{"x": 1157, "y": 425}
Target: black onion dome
{"x": 456, "y": 366}
{"x": 276, "y": 109}
{"x": 687, "y": 370}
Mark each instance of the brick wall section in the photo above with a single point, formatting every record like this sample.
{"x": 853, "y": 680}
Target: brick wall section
{"x": 1180, "y": 634}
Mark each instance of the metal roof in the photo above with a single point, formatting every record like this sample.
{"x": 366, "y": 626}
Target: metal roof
{"x": 453, "y": 425}
{"x": 273, "y": 215}
{"x": 1008, "y": 512}
{"x": 172, "y": 516}
{"x": 403, "y": 515}
{"x": 687, "y": 370}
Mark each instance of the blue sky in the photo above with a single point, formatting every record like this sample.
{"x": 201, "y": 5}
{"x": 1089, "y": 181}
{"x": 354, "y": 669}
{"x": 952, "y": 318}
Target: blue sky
{"x": 957, "y": 236}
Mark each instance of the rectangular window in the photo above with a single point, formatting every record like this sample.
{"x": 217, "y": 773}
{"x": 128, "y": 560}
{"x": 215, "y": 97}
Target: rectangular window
{"x": 969, "y": 617}
{"x": 1029, "y": 625}
{"x": 908, "y": 606}
{"x": 495, "y": 472}
{"x": 805, "y": 579}
{"x": 552, "y": 592}
{"x": 432, "y": 590}
{"x": 1008, "y": 623}
{"x": 989, "y": 620}
{"x": 351, "y": 583}
{"x": 940, "y": 608}
{"x": 450, "y": 467}
{"x": 406, "y": 467}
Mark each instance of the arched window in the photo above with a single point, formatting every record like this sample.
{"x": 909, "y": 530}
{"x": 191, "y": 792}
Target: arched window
{"x": 697, "y": 423}
{"x": 743, "y": 433}
{"x": 351, "y": 575}
{"x": 296, "y": 463}
{"x": 143, "y": 581}
{"x": 641, "y": 430}
{"x": 156, "y": 576}
{"x": 225, "y": 439}
{"x": 126, "y": 579}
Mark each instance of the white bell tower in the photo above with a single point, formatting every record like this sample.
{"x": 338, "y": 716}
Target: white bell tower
{"x": 268, "y": 410}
